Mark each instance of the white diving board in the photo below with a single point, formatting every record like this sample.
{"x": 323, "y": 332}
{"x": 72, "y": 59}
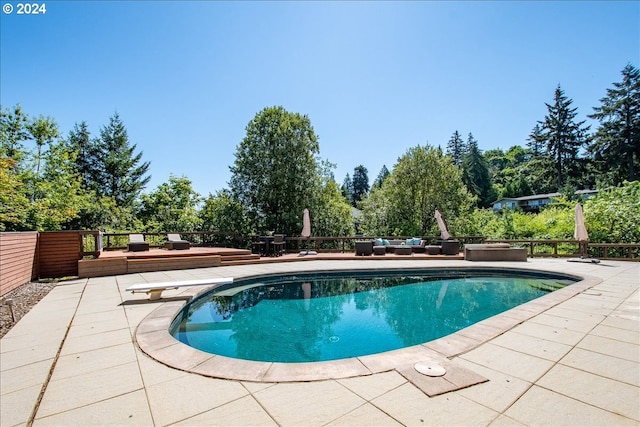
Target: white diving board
{"x": 154, "y": 290}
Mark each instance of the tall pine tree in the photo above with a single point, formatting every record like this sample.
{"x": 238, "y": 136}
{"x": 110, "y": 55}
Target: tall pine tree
{"x": 616, "y": 146}
{"x": 382, "y": 175}
{"x": 456, "y": 148}
{"x": 360, "y": 184}
{"x": 563, "y": 138}
{"x": 123, "y": 173}
{"x": 347, "y": 189}
{"x": 476, "y": 174}
{"x": 535, "y": 142}
{"x": 87, "y": 161}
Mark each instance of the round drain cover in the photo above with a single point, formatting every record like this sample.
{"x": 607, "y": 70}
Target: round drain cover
{"x": 430, "y": 369}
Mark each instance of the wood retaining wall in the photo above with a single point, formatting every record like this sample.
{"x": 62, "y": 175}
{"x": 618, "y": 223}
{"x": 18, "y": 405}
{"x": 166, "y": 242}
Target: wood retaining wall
{"x": 18, "y": 259}
{"x": 122, "y": 265}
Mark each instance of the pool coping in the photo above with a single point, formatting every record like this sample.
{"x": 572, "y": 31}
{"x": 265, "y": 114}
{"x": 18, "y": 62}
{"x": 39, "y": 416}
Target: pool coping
{"x": 153, "y": 338}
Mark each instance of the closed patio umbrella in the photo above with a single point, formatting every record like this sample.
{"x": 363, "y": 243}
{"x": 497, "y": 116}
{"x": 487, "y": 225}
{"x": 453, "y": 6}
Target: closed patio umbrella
{"x": 306, "y": 231}
{"x": 581, "y": 235}
{"x": 580, "y": 230}
{"x": 306, "y": 224}
{"x": 444, "y": 234}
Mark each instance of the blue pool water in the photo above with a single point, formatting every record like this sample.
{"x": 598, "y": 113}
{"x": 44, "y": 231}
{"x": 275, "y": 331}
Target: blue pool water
{"x": 314, "y": 317}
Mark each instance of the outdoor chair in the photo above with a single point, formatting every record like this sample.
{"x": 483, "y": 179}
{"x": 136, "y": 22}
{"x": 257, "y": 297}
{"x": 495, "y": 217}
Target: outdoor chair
{"x": 174, "y": 241}
{"x": 364, "y": 248}
{"x": 278, "y": 244}
{"x": 137, "y": 243}
{"x": 258, "y": 246}
{"x": 450, "y": 247}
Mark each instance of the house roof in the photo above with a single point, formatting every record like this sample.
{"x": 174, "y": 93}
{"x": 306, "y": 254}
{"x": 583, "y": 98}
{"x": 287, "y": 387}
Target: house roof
{"x": 541, "y": 196}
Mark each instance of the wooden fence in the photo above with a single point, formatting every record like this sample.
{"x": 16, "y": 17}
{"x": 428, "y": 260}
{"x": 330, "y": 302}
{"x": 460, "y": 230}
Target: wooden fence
{"x": 18, "y": 259}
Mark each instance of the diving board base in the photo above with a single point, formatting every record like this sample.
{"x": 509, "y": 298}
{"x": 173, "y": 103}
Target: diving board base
{"x": 154, "y": 290}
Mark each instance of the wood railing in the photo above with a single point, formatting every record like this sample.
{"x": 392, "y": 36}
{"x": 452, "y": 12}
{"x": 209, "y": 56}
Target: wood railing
{"x": 94, "y": 241}
{"x": 572, "y": 248}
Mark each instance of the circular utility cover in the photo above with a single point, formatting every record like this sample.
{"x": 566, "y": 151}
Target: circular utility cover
{"x": 430, "y": 369}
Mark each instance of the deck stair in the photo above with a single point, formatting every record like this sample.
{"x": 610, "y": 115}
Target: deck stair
{"x": 238, "y": 259}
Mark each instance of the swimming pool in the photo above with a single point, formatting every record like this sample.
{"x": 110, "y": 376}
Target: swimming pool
{"x": 321, "y": 316}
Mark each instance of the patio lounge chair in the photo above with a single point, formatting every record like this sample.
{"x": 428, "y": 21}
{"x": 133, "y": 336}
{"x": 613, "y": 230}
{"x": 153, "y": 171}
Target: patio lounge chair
{"x": 137, "y": 243}
{"x": 174, "y": 241}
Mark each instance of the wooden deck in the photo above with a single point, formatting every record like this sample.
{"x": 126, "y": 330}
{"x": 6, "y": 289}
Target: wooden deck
{"x": 111, "y": 263}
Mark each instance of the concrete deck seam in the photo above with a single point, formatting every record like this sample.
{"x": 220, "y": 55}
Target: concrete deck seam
{"x": 132, "y": 333}
{"x": 372, "y": 403}
{"x": 36, "y": 406}
{"x": 586, "y": 403}
{"x": 264, "y": 408}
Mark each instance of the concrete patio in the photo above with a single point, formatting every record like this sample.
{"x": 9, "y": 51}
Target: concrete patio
{"x": 73, "y": 360}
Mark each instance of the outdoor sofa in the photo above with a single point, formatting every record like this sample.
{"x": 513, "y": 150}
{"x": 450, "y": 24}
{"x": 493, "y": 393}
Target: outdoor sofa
{"x": 417, "y": 245}
{"x": 407, "y": 247}
{"x": 382, "y": 246}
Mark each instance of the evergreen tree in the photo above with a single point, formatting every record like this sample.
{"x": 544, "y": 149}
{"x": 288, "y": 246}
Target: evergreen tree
{"x": 360, "y": 184}
{"x": 475, "y": 173}
{"x": 536, "y": 141}
{"x": 347, "y": 189}
{"x": 616, "y": 146}
{"x": 456, "y": 148}
{"x": 382, "y": 175}
{"x": 563, "y": 138}
{"x": 123, "y": 175}
{"x": 87, "y": 162}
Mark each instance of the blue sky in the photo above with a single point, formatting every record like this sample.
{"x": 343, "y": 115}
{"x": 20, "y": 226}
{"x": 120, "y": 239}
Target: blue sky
{"x": 375, "y": 78}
